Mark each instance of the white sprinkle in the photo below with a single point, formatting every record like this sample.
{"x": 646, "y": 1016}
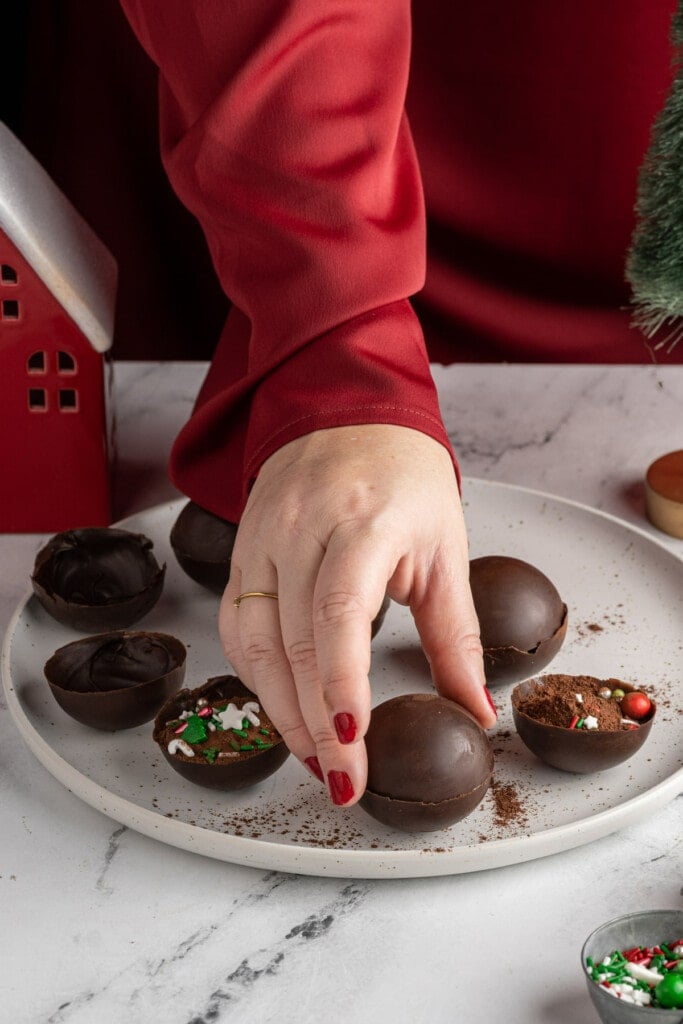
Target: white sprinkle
{"x": 202, "y": 702}
{"x": 210, "y": 726}
{"x": 184, "y": 715}
{"x": 180, "y": 745}
{"x": 607, "y": 961}
{"x": 678, "y": 949}
{"x": 644, "y": 974}
{"x": 231, "y": 717}
{"x": 628, "y": 721}
{"x": 579, "y": 698}
{"x": 605, "y": 692}
{"x": 590, "y": 722}
{"x": 250, "y": 710}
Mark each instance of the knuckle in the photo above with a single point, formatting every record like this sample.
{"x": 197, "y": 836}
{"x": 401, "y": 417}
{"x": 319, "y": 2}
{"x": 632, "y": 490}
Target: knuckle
{"x": 470, "y": 644}
{"x": 301, "y": 653}
{"x": 337, "y": 607}
{"x": 336, "y": 684}
{"x": 324, "y": 738}
{"x": 260, "y": 651}
{"x": 295, "y": 734}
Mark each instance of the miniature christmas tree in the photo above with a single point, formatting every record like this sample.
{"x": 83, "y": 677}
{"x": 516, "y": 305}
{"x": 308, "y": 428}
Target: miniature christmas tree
{"x": 655, "y": 263}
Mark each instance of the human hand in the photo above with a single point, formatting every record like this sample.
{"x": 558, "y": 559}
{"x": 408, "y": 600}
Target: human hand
{"x": 336, "y": 518}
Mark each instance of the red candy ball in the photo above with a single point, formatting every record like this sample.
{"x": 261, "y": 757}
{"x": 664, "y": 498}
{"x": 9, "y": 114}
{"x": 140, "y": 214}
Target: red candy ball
{"x": 635, "y": 705}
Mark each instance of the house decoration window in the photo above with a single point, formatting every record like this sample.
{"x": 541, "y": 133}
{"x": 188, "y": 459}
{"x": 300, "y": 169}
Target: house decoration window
{"x": 36, "y": 363}
{"x": 68, "y": 400}
{"x": 65, "y": 362}
{"x": 10, "y": 309}
{"x": 37, "y": 399}
{"x": 8, "y": 275}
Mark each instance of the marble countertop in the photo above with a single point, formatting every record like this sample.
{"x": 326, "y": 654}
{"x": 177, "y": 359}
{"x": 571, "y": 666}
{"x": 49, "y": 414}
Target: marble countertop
{"x": 101, "y": 924}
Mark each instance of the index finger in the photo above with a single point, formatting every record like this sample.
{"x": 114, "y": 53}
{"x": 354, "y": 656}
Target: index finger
{"x": 447, "y": 622}
{"x": 349, "y": 591}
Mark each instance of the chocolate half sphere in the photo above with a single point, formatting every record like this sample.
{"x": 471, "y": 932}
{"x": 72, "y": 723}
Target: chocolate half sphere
{"x": 97, "y": 579}
{"x": 116, "y": 680}
{"x": 219, "y": 736}
{"x": 609, "y": 738}
{"x": 429, "y": 763}
{"x": 522, "y": 618}
{"x": 202, "y": 543}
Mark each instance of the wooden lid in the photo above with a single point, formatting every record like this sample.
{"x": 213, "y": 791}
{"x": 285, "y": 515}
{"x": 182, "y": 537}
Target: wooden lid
{"x": 664, "y": 493}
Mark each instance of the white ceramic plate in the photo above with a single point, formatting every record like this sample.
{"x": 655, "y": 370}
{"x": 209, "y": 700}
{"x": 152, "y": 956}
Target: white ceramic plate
{"x": 625, "y": 598}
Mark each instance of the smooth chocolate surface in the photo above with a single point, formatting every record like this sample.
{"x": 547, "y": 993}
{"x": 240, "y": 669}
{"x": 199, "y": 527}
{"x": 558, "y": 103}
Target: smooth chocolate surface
{"x": 581, "y": 751}
{"x": 247, "y": 769}
{"x": 116, "y": 680}
{"x": 202, "y": 543}
{"x": 522, "y": 618}
{"x": 97, "y": 578}
{"x": 429, "y": 762}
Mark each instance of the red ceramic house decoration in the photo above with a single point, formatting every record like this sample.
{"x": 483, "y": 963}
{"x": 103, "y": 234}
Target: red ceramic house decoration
{"x": 57, "y": 294}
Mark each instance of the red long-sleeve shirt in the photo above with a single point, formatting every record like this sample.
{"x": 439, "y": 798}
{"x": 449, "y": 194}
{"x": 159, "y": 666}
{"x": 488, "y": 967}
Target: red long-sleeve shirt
{"x": 283, "y": 130}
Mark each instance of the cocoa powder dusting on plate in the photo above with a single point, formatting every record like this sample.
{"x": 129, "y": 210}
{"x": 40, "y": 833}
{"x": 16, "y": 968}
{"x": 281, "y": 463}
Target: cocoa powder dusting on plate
{"x": 508, "y": 806}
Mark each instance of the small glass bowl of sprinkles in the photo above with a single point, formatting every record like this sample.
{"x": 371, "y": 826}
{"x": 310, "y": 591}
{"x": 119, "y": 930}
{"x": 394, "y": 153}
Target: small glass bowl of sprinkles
{"x": 634, "y": 968}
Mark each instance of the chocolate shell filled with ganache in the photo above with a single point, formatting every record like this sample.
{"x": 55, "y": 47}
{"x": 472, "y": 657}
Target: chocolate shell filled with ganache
{"x": 522, "y": 618}
{"x": 116, "y": 680}
{"x": 97, "y": 578}
{"x": 582, "y": 724}
{"x": 429, "y": 763}
{"x": 218, "y": 735}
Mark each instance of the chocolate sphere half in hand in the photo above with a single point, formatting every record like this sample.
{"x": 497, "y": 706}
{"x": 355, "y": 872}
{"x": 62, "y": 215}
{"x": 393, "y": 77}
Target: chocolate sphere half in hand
{"x": 429, "y": 763}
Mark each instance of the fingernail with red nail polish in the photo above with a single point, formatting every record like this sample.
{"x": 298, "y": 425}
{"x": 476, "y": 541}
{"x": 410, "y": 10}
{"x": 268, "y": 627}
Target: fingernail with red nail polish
{"x": 313, "y": 765}
{"x": 341, "y": 789}
{"x": 490, "y": 700}
{"x": 346, "y": 727}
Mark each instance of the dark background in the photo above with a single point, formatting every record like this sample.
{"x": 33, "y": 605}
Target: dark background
{"x": 81, "y": 94}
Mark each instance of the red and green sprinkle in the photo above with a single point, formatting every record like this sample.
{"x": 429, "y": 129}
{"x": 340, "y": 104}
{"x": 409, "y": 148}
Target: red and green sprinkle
{"x": 643, "y": 975}
{"x": 240, "y": 726}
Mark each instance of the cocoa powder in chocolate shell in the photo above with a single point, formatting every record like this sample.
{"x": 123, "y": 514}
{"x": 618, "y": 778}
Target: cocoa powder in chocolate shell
{"x": 556, "y": 703}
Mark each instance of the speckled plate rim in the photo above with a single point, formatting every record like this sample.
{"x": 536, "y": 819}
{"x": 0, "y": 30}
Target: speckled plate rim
{"x": 306, "y": 860}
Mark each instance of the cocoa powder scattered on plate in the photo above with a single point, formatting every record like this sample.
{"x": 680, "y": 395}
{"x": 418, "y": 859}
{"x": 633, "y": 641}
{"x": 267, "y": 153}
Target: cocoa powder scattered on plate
{"x": 508, "y": 806}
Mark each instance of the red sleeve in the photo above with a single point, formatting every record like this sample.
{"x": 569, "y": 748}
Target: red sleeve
{"x": 283, "y": 131}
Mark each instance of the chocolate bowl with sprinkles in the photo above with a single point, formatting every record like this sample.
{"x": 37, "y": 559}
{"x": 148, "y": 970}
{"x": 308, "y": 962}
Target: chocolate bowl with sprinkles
{"x": 582, "y": 724}
{"x": 219, "y": 736}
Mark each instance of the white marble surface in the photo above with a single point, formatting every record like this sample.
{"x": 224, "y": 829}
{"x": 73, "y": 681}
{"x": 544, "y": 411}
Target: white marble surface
{"x": 100, "y": 924}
